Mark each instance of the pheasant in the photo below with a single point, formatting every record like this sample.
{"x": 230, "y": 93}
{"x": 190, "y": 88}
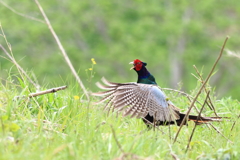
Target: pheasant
{"x": 145, "y": 100}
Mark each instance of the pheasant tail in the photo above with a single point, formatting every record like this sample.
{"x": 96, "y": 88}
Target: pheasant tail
{"x": 200, "y": 120}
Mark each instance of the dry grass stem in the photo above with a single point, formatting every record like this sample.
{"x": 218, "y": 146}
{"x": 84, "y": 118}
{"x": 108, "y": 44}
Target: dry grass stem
{"x": 182, "y": 93}
{"x": 20, "y": 14}
{"x": 43, "y": 92}
{"x": 62, "y": 49}
{"x": 47, "y": 91}
{"x": 18, "y": 66}
{"x": 234, "y": 123}
{"x": 220, "y": 132}
{"x": 189, "y": 97}
{"x": 211, "y": 106}
{"x": 200, "y": 90}
{"x": 199, "y": 116}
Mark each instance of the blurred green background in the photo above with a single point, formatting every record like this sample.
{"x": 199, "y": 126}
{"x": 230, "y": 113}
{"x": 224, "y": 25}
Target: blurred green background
{"x": 171, "y": 36}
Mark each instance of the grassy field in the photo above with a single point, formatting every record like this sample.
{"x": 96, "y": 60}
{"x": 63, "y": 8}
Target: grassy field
{"x": 63, "y": 125}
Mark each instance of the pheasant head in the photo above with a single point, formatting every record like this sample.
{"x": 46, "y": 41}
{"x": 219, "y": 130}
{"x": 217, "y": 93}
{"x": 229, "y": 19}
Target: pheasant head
{"x": 144, "y": 75}
{"x": 138, "y": 65}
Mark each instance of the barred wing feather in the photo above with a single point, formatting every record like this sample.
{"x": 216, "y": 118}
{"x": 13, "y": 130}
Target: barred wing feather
{"x": 138, "y": 100}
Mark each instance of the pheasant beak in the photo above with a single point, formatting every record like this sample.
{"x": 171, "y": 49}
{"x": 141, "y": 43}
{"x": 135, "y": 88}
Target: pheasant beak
{"x": 133, "y": 66}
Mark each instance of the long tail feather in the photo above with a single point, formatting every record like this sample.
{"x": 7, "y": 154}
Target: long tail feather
{"x": 201, "y": 120}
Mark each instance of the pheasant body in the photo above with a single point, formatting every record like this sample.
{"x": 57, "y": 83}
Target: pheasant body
{"x": 145, "y": 100}
{"x": 142, "y": 99}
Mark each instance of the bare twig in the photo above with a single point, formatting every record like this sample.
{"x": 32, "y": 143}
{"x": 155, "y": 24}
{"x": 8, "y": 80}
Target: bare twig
{"x": 219, "y": 132}
{"x": 20, "y": 14}
{"x": 211, "y": 106}
{"x": 234, "y": 123}
{"x": 11, "y": 57}
{"x": 47, "y": 91}
{"x": 17, "y": 65}
{"x": 181, "y": 92}
{"x": 195, "y": 76}
{"x": 174, "y": 156}
{"x": 189, "y": 97}
{"x": 200, "y": 90}
{"x": 199, "y": 115}
{"x": 43, "y": 92}
{"x": 62, "y": 49}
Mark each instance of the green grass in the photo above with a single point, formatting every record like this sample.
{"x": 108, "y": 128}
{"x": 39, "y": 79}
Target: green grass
{"x": 57, "y": 126}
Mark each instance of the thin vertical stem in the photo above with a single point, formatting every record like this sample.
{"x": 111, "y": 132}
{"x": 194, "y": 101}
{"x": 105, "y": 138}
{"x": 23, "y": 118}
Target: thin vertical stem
{"x": 200, "y": 90}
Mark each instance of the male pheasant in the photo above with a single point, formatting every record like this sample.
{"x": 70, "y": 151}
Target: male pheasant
{"x": 145, "y": 100}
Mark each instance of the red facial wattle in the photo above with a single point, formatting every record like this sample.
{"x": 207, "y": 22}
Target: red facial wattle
{"x": 137, "y": 64}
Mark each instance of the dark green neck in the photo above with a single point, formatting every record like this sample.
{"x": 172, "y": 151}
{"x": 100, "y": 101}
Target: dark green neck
{"x": 145, "y": 77}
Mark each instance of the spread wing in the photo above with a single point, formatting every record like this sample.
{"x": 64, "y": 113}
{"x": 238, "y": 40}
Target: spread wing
{"x": 138, "y": 100}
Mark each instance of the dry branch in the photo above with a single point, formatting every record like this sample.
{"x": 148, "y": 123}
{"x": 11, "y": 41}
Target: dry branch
{"x": 199, "y": 116}
{"x": 53, "y": 90}
{"x": 47, "y": 91}
{"x": 234, "y": 123}
{"x": 211, "y": 106}
{"x": 200, "y": 90}
{"x": 62, "y": 49}
{"x": 181, "y": 92}
{"x": 189, "y": 97}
